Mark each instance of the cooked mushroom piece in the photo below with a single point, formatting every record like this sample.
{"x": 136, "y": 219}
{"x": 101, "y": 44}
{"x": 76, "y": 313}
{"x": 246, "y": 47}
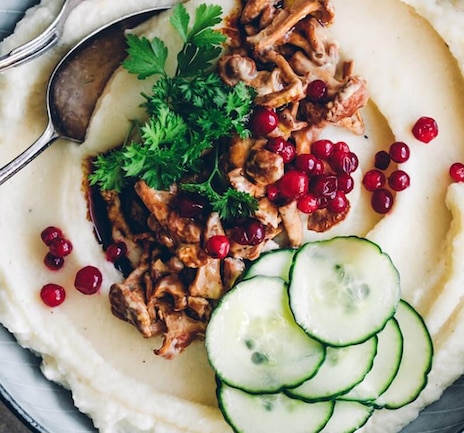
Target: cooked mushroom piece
{"x": 181, "y": 330}
{"x": 286, "y": 19}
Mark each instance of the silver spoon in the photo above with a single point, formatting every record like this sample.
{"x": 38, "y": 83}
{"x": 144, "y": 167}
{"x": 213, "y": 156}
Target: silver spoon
{"x": 76, "y": 84}
{"x": 42, "y": 42}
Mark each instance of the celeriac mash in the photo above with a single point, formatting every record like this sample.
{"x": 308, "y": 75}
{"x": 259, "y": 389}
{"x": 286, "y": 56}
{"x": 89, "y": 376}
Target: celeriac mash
{"x": 412, "y": 57}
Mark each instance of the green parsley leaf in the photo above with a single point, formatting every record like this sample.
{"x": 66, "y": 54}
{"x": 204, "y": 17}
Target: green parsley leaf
{"x": 180, "y": 21}
{"x": 234, "y": 204}
{"x": 145, "y": 58}
{"x": 107, "y": 172}
{"x": 206, "y": 16}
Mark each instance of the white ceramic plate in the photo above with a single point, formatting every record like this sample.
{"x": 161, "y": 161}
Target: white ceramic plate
{"x": 48, "y": 408}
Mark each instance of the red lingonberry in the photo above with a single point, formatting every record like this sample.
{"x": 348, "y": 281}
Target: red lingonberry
{"x": 116, "y": 251}
{"x": 338, "y": 204}
{"x": 343, "y": 162}
{"x": 399, "y": 152}
{"x": 60, "y": 247}
{"x": 88, "y": 280}
{"x": 309, "y": 164}
{"x": 317, "y": 91}
{"x": 382, "y": 160}
{"x": 217, "y": 246}
{"x": 293, "y": 184}
{"x": 322, "y": 149}
{"x": 288, "y": 153}
{"x": 425, "y": 129}
{"x": 325, "y": 185}
{"x": 399, "y": 180}
{"x": 308, "y": 203}
{"x": 341, "y": 145}
{"x": 53, "y": 262}
{"x": 263, "y": 121}
{"x": 276, "y": 144}
{"x": 382, "y": 200}
{"x": 373, "y": 179}
{"x": 251, "y": 232}
{"x": 52, "y": 295}
{"x": 272, "y": 192}
{"x": 50, "y": 233}
{"x": 345, "y": 182}
{"x": 456, "y": 171}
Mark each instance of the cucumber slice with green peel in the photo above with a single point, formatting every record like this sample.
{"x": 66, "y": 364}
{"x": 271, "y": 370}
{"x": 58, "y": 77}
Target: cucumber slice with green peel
{"x": 343, "y": 290}
{"x": 416, "y": 361}
{"x": 342, "y": 369}
{"x": 275, "y": 263}
{"x": 385, "y": 368}
{"x": 347, "y": 417}
{"x": 271, "y": 413}
{"x": 253, "y": 341}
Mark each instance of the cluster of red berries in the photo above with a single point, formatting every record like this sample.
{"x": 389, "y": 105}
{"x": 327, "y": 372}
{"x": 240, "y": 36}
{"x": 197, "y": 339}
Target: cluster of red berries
{"x": 425, "y": 130}
{"x": 88, "y": 279}
{"x": 376, "y": 181}
{"x": 320, "y": 179}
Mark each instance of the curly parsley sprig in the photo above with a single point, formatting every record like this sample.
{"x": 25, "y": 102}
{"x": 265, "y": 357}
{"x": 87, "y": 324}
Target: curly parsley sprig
{"x": 187, "y": 114}
{"x": 225, "y": 200}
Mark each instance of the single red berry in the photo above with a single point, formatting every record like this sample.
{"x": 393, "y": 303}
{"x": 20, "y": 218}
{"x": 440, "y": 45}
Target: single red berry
{"x": 191, "y": 205}
{"x": 322, "y": 149}
{"x": 308, "y": 203}
{"x": 52, "y": 295}
{"x": 116, "y": 251}
{"x": 382, "y": 160}
{"x": 345, "y": 182}
{"x": 49, "y": 234}
{"x": 88, "y": 280}
{"x": 288, "y": 153}
{"x": 338, "y": 204}
{"x": 263, "y": 121}
{"x": 373, "y": 180}
{"x": 399, "y": 180}
{"x": 343, "y": 162}
{"x": 456, "y": 172}
{"x": 276, "y": 144}
{"x": 217, "y": 246}
{"x": 252, "y": 232}
{"x": 282, "y": 147}
{"x": 399, "y": 152}
{"x": 425, "y": 129}
{"x": 382, "y": 200}
{"x": 53, "y": 262}
{"x": 293, "y": 184}
{"x": 317, "y": 91}
{"x": 341, "y": 145}
{"x": 272, "y": 192}
{"x": 325, "y": 185}
{"x": 309, "y": 164}
{"x": 61, "y": 247}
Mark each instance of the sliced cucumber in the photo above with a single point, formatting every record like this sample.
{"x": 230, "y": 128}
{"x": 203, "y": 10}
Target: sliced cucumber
{"x": 347, "y": 417}
{"x": 342, "y": 369}
{"x": 253, "y": 341}
{"x": 416, "y": 361}
{"x": 275, "y": 263}
{"x": 386, "y": 364}
{"x": 271, "y": 413}
{"x": 343, "y": 290}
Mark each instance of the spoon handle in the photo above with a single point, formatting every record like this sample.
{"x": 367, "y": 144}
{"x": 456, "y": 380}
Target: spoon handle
{"x": 35, "y": 149}
{"x": 41, "y": 43}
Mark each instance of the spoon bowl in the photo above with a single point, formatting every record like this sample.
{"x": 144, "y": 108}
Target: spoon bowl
{"x": 76, "y": 84}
